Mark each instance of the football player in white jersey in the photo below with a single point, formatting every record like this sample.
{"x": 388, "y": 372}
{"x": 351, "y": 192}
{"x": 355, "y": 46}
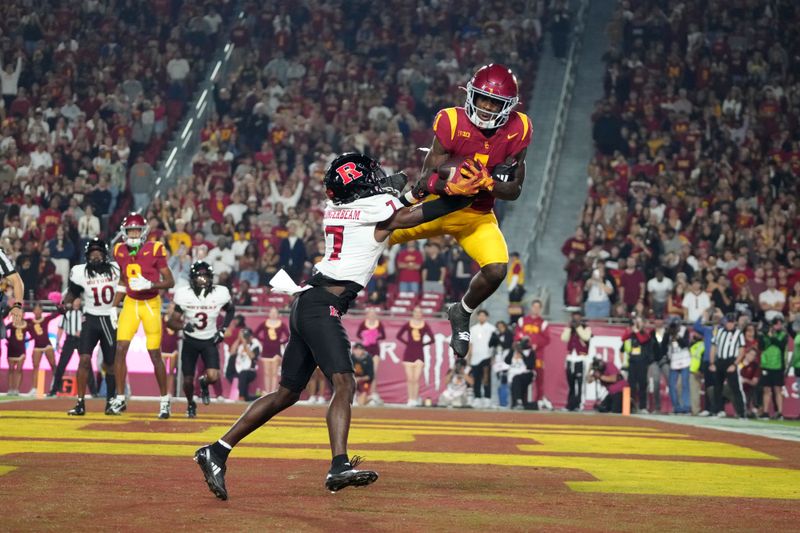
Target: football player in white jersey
{"x": 95, "y": 282}
{"x": 200, "y": 304}
{"x": 362, "y": 212}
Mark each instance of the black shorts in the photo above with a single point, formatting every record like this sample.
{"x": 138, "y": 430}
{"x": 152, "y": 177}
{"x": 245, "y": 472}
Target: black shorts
{"x": 98, "y": 329}
{"x": 193, "y": 349}
{"x": 316, "y": 338}
{"x": 771, "y": 378}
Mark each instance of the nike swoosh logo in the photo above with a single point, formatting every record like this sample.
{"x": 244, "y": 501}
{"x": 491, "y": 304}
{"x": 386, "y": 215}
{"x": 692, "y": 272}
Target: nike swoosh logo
{"x": 512, "y": 136}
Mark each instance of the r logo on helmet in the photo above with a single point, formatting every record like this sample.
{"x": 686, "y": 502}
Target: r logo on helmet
{"x": 348, "y": 172}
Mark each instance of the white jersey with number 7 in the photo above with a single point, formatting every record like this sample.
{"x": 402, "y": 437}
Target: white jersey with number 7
{"x": 351, "y": 251}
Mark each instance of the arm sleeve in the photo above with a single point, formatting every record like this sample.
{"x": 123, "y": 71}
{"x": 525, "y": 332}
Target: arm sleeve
{"x": 402, "y": 335}
{"x": 427, "y": 331}
{"x": 378, "y": 208}
{"x": 381, "y": 332}
{"x": 230, "y": 311}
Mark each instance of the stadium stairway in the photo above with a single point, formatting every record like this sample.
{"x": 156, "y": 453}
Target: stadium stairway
{"x": 547, "y": 268}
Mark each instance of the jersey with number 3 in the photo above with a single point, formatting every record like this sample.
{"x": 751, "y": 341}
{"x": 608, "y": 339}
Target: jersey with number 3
{"x": 97, "y": 291}
{"x": 202, "y": 311}
{"x": 351, "y": 251}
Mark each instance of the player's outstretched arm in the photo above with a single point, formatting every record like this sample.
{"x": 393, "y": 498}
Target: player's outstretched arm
{"x": 408, "y": 217}
{"x": 435, "y": 157}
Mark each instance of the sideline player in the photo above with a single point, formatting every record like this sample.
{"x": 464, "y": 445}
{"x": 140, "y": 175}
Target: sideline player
{"x": 362, "y": 212}
{"x": 95, "y": 281}
{"x": 200, "y": 305}
{"x": 144, "y": 271}
{"x": 496, "y": 139}
{"x": 10, "y": 275}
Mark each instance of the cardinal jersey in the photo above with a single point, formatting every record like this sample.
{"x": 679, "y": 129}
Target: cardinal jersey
{"x": 459, "y": 136}
{"x": 351, "y": 251}
{"x": 97, "y": 291}
{"x": 147, "y": 262}
{"x": 202, "y": 311}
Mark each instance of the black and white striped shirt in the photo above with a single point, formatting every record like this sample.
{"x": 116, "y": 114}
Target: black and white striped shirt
{"x": 71, "y": 322}
{"x": 728, "y": 343}
{"x": 6, "y": 266}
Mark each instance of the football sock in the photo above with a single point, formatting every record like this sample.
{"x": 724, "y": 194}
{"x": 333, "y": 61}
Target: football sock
{"x": 221, "y": 449}
{"x": 80, "y": 399}
{"x": 165, "y": 398}
{"x": 466, "y": 308}
{"x": 339, "y": 464}
{"x": 121, "y": 397}
{"x": 111, "y": 386}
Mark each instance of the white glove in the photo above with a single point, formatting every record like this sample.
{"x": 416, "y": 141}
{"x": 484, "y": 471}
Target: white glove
{"x": 140, "y": 283}
{"x": 114, "y": 316}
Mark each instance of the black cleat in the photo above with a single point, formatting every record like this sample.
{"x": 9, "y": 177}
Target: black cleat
{"x": 213, "y": 470}
{"x": 191, "y": 410}
{"x": 350, "y": 477}
{"x": 459, "y": 326}
{"x": 116, "y": 407}
{"x": 78, "y": 410}
{"x": 204, "y": 395}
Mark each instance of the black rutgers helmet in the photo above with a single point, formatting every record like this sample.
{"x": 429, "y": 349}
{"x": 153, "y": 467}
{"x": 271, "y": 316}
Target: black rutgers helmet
{"x": 352, "y": 176}
{"x": 94, "y": 264}
{"x": 201, "y": 277}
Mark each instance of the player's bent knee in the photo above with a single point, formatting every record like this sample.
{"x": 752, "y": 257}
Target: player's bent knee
{"x": 495, "y": 272}
{"x": 287, "y": 397}
{"x": 344, "y": 382}
{"x": 85, "y": 362}
{"x": 212, "y": 375}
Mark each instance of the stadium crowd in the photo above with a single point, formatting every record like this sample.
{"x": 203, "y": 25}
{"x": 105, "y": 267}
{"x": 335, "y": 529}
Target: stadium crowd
{"x": 297, "y": 96}
{"x": 90, "y": 92}
{"x": 692, "y": 211}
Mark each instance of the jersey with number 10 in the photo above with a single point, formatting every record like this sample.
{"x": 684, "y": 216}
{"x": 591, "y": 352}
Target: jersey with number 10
{"x": 351, "y": 251}
{"x": 202, "y": 311}
{"x": 97, "y": 291}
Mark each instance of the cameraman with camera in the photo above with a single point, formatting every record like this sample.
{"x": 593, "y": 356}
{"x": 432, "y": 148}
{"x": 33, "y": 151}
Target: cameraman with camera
{"x": 577, "y": 337}
{"x": 610, "y": 377}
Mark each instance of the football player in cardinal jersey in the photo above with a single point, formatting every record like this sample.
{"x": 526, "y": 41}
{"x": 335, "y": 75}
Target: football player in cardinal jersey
{"x": 495, "y": 138}
{"x": 144, "y": 271}
{"x": 200, "y": 305}
{"x": 362, "y": 212}
{"x": 95, "y": 282}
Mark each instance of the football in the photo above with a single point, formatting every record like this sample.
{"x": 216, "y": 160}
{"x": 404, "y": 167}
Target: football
{"x": 450, "y": 170}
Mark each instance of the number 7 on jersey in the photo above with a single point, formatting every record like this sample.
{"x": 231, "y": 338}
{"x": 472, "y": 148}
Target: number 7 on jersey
{"x": 338, "y": 239}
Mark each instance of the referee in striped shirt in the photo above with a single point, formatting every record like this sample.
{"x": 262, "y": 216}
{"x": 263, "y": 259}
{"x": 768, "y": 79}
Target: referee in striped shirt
{"x": 8, "y": 272}
{"x": 71, "y": 324}
{"x": 727, "y": 351}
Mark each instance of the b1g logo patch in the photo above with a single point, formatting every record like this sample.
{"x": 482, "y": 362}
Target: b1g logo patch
{"x": 335, "y": 312}
{"x": 349, "y": 172}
